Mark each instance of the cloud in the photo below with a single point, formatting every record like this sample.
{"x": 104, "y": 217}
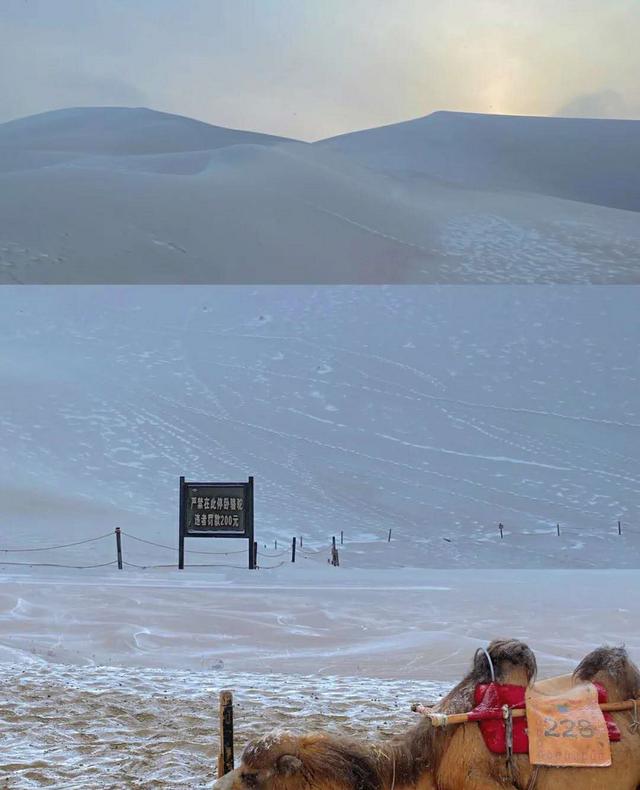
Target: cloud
{"x": 603, "y": 104}
{"x": 42, "y": 69}
{"x": 314, "y": 68}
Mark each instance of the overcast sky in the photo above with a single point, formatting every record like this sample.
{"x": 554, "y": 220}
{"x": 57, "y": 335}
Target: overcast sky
{"x": 314, "y": 68}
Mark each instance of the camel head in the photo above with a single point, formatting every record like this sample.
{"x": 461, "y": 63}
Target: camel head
{"x": 284, "y": 761}
{"x": 267, "y": 763}
{"x": 513, "y": 662}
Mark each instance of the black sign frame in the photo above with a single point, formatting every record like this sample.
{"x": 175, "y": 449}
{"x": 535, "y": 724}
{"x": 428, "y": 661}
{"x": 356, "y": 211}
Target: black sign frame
{"x": 188, "y": 531}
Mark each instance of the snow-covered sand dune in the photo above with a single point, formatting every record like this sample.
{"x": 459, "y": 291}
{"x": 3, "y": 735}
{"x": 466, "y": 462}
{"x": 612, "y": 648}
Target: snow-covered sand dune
{"x": 121, "y": 131}
{"x": 580, "y": 159}
{"x": 435, "y": 412}
{"x": 129, "y": 195}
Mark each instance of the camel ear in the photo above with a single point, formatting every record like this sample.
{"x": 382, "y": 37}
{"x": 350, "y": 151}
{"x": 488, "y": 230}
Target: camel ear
{"x": 288, "y": 764}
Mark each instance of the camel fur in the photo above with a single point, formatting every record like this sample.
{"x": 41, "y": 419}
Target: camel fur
{"x": 454, "y": 758}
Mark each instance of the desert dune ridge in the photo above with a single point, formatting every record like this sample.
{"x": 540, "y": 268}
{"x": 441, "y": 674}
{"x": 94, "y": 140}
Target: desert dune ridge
{"x": 130, "y": 195}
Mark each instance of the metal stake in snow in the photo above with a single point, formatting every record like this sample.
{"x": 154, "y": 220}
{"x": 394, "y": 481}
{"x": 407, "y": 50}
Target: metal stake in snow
{"x": 119, "y": 547}
{"x": 225, "y": 756}
{"x": 335, "y": 557}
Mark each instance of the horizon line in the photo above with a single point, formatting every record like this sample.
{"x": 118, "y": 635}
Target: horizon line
{"x": 54, "y": 110}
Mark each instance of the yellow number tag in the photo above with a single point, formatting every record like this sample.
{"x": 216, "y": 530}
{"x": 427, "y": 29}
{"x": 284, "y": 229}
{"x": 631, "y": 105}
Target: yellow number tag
{"x": 567, "y": 728}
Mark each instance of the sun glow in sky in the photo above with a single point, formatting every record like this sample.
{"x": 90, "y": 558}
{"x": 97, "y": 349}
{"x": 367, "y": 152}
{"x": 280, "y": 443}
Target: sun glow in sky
{"x": 313, "y": 68}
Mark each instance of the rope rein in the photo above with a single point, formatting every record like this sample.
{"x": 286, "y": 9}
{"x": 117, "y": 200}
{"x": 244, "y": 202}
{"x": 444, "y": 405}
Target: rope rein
{"x": 489, "y": 661}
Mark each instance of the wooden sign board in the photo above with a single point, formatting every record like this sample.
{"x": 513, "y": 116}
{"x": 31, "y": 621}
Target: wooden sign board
{"x": 216, "y": 510}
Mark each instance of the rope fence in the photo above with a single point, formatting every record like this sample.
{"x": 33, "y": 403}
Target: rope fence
{"x": 619, "y": 528}
{"x": 175, "y": 548}
{"x": 58, "y": 565}
{"x": 121, "y": 562}
{"x": 299, "y": 547}
{"x": 61, "y": 545}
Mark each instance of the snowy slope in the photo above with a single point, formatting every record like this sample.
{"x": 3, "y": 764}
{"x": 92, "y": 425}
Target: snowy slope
{"x": 435, "y": 412}
{"x": 592, "y": 161}
{"x": 115, "y": 195}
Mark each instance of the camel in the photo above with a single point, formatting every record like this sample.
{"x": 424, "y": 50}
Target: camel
{"x": 285, "y": 761}
{"x": 454, "y": 758}
{"x": 467, "y": 763}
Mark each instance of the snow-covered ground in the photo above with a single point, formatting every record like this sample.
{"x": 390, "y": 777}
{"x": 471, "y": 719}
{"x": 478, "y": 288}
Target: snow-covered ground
{"x": 435, "y": 412}
{"x": 130, "y": 195}
{"x": 110, "y": 679}
{"x": 311, "y": 618}
{"x": 118, "y": 727}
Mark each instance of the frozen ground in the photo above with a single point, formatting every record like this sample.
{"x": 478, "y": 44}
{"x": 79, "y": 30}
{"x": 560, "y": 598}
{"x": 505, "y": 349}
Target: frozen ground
{"x": 130, "y": 195}
{"x": 312, "y": 618}
{"x": 435, "y": 412}
{"x": 110, "y": 679}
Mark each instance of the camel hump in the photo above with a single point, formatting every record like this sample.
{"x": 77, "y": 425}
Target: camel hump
{"x": 612, "y": 667}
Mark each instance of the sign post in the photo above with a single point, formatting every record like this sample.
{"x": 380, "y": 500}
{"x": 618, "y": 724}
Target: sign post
{"x": 216, "y": 510}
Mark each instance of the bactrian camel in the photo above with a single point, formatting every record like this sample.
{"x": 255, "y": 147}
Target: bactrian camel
{"x": 452, "y": 758}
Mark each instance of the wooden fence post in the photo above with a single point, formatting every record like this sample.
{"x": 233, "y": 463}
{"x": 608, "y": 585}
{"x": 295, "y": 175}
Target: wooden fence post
{"x": 619, "y": 528}
{"x": 335, "y": 557}
{"x": 389, "y": 538}
{"x": 558, "y": 528}
{"x": 225, "y": 756}
{"x": 293, "y": 550}
{"x": 501, "y": 528}
{"x": 119, "y": 547}
{"x": 255, "y": 553}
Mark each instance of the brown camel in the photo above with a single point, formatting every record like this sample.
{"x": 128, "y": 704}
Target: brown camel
{"x": 455, "y": 758}
{"x": 467, "y": 763}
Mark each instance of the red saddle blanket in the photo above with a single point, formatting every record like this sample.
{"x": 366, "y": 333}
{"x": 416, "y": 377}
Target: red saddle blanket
{"x": 489, "y": 699}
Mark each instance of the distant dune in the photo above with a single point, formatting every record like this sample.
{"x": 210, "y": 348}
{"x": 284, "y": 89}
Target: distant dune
{"x": 119, "y": 195}
{"x": 123, "y": 131}
{"x": 592, "y": 161}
